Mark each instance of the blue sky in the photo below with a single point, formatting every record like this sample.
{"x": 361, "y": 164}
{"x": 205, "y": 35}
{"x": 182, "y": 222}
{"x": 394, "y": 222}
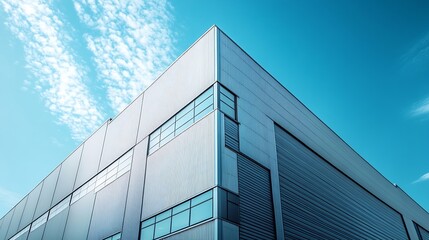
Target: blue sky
{"x": 67, "y": 66}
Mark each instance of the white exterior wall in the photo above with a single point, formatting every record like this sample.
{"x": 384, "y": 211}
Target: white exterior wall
{"x": 262, "y": 100}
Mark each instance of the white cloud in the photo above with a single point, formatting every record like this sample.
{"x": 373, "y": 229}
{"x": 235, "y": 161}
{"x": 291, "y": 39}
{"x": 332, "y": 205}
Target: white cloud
{"x": 57, "y": 75}
{"x": 131, "y": 44}
{"x": 418, "y": 54}
{"x": 8, "y": 198}
{"x": 421, "y": 108}
{"x": 424, "y": 177}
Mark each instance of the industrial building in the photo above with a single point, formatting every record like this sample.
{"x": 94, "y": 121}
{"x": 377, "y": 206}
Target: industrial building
{"x": 215, "y": 148}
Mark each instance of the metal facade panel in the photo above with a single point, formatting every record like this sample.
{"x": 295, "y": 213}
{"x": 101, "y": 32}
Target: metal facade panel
{"x": 47, "y": 193}
{"x": 79, "y": 218}
{"x": 55, "y": 226}
{"x": 121, "y": 133}
{"x": 183, "y": 81}
{"x": 67, "y": 176}
{"x": 204, "y": 231}
{"x": 30, "y": 207}
{"x": 229, "y": 173}
{"x": 423, "y": 233}
{"x": 180, "y": 169}
{"x": 318, "y": 201}
{"x": 91, "y": 155}
{"x": 229, "y": 231}
{"x": 132, "y": 216}
{"x": 257, "y": 88}
{"x": 256, "y": 205}
{"x": 6, "y": 223}
{"x": 109, "y": 209}
{"x": 14, "y": 224}
{"x": 37, "y": 234}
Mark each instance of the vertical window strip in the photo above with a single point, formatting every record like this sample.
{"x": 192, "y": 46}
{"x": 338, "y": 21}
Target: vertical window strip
{"x": 227, "y": 103}
{"x": 190, "y": 114}
{"x": 186, "y": 214}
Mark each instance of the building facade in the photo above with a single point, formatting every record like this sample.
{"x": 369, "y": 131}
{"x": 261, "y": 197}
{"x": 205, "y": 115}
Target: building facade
{"x": 215, "y": 148}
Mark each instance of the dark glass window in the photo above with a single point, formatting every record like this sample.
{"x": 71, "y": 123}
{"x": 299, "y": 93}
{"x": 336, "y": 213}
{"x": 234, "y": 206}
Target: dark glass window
{"x": 227, "y": 103}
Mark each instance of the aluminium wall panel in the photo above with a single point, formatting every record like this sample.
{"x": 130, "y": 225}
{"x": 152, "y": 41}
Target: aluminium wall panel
{"x": 229, "y": 172}
{"x": 256, "y": 204}
{"x": 55, "y": 226}
{"x": 109, "y": 209}
{"x": 180, "y": 169}
{"x": 47, "y": 193}
{"x": 133, "y": 208}
{"x": 242, "y": 75}
{"x": 184, "y": 80}
{"x": 319, "y": 201}
{"x": 30, "y": 207}
{"x": 67, "y": 176}
{"x": 121, "y": 133}
{"x": 6, "y": 223}
{"x": 204, "y": 231}
{"x": 23, "y": 236}
{"x": 91, "y": 155}
{"x": 79, "y": 218}
{"x": 423, "y": 233}
{"x": 37, "y": 234}
{"x": 14, "y": 224}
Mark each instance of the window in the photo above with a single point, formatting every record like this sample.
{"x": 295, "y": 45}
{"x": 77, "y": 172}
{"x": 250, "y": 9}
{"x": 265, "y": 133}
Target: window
{"x": 105, "y": 177}
{"x": 190, "y": 114}
{"x": 114, "y": 237}
{"x": 227, "y": 103}
{"x": 191, "y": 212}
{"x": 39, "y": 222}
{"x": 228, "y": 205}
{"x": 59, "y": 208}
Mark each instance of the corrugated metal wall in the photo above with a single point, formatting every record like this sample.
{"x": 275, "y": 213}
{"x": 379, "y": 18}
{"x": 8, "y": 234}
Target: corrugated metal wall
{"x": 256, "y": 206}
{"x": 320, "y": 202}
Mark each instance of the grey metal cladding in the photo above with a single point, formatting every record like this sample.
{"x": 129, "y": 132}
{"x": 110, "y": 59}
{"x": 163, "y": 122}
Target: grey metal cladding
{"x": 37, "y": 234}
{"x": 182, "y": 168}
{"x": 54, "y": 228}
{"x": 204, "y": 231}
{"x": 14, "y": 223}
{"x": 256, "y": 87}
{"x": 67, "y": 176}
{"x": 30, "y": 207}
{"x": 191, "y": 74}
{"x": 109, "y": 209}
{"x": 422, "y": 233}
{"x": 121, "y": 133}
{"x": 91, "y": 155}
{"x": 23, "y": 236}
{"x": 318, "y": 201}
{"x": 6, "y": 223}
{"x": 79, "y": 218}
{"x": 47, "y": 193}
{"x": 132, "y": 218}
{"x": 256, "y": 205}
